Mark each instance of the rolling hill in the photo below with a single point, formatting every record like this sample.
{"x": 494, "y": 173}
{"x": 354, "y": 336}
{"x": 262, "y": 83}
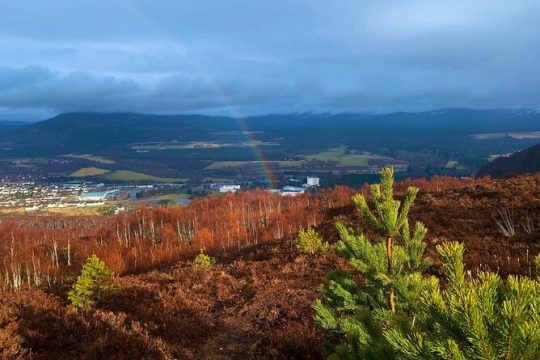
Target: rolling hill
{"x": 521, "y": 162}
{"x": 179, "y": 146}
{"x": 74, "y": 132}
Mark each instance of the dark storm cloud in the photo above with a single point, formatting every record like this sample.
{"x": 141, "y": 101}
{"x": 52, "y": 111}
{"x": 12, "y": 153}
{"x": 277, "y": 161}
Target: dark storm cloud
{"x": 250, "y": 57}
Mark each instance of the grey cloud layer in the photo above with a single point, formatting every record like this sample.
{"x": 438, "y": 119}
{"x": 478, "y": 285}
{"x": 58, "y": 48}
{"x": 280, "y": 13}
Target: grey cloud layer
{"x": 250, "y": 57}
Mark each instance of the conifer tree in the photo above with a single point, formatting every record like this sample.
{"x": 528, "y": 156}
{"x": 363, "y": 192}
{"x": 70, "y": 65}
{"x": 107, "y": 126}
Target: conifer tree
{"x": 359, "y": 315}
{"x": 93, "y": 284}
{"x": 310, "y": 242}
{"x": 479, "y": 318}
{"x": 203, "y": 260}
{"x": 393, "y": 312}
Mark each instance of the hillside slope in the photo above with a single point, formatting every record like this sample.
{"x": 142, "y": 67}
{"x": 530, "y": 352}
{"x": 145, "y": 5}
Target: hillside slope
{"x": 256, "y": 304}
{"x": 76, "y": 132}
{"x": 102, "y": 132}
{"x": 448, "y": 141}
{"x": 522, "y": 162}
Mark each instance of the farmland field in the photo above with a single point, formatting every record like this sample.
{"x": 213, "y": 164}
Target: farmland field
{"x": 343, "y": 157}
{"x": 173, "y": 145}
{"x": 89, "y": 171}
{"x": 91, "y": 157}
{"x": 127, "y": 175}
{"x": 220, "y": 165}
{"x": 169, "y": 148}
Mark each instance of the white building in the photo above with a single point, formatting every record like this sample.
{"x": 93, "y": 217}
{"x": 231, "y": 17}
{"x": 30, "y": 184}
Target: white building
{"x": 312, "y": 181}
{"x": 99, "y": 195}
{"x": 292, "y": 190}
{"x": 229, "y": 188}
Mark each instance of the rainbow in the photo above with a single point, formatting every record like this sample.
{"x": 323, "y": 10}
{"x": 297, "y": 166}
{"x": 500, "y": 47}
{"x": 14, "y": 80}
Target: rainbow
{"x": 236, "y": 115}
{"x": 253, "y": 143}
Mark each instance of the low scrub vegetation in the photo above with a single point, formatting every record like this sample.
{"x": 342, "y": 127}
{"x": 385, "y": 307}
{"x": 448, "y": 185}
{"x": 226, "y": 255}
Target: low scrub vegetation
{"x": 311, "y": 243}
{"x": 48, "y": 250}
{"x": 203, "y": 259}
{"x": 257, "y": 304}
{"x": 397, "y": 312}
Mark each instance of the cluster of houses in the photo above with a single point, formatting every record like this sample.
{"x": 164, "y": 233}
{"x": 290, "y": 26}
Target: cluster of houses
{"x": 35, "y": 196}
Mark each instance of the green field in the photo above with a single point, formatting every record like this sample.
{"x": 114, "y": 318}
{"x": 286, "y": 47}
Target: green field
{"x": 89, "y": 171}
{"x": 128, "y": 175}
{"x": 224, "y": 165}
{"x": 174, "y": 145}
{"x": 341, "y": 156}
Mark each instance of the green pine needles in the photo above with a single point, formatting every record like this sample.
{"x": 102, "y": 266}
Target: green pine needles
{"x": 93, "y": 285}
{"x": 203, "y": 260}
{"x": 358, "y": 316}
{"x": 387, "y": 309}
{"x": 390, "y": 218}
{"x": 481, "y": 318}
{"x": 310, "y": 242}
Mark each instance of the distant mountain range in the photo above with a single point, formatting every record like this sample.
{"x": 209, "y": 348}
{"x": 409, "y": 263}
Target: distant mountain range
{"x": 11, "y": 124}
{"x": 98, "y": 131}
{"x": 447, "y": 141}
{"x": 521, "y": 162}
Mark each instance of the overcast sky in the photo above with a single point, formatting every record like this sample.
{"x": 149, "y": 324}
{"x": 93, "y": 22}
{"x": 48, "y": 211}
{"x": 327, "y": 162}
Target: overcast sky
{"x": 242, "y": 57}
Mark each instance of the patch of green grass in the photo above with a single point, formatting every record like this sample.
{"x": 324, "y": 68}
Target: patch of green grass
{"x": 128, "y": 175}
{"x": 340, "y": 156}
{"x": 89, "y": 171}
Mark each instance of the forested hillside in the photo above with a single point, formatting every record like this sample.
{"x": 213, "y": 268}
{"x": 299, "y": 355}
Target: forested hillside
{"x": 446, "y": 142}
{"x": 521, "y": 162}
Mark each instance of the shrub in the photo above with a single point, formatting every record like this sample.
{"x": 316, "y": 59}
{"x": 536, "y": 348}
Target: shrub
{"x": 481, "y": 318}
{"x": 309, "y": 242}
{"x": 396, "y": 313}
{"x": 105, "y": 210}
{"x": 204, "y": 260}
{"x": 93, "y": 285}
